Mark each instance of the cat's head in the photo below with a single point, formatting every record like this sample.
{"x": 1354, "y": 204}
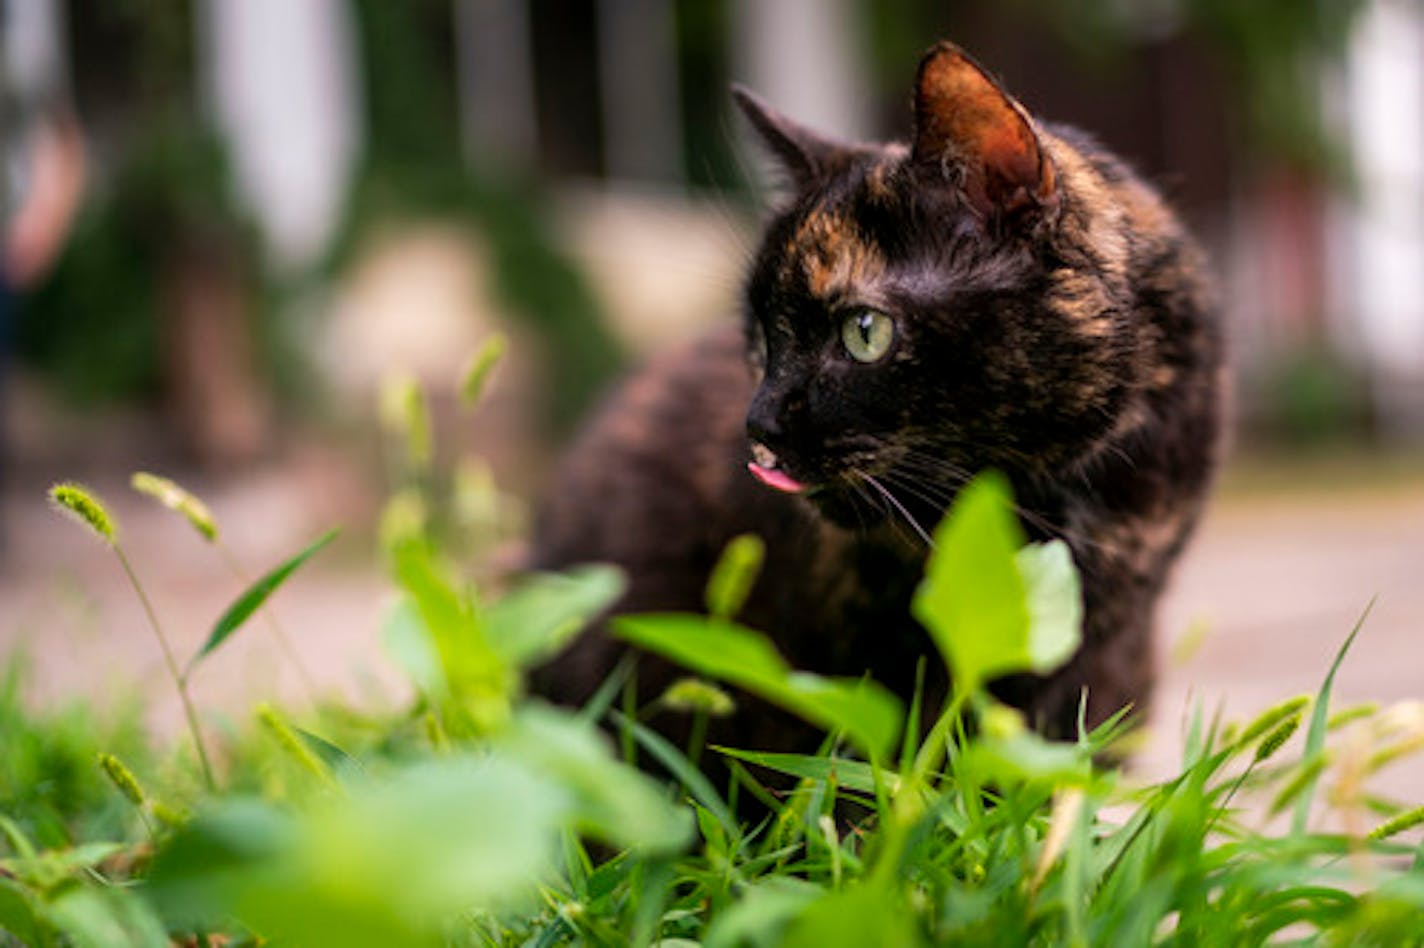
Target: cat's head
{"x": 920, "y": 312}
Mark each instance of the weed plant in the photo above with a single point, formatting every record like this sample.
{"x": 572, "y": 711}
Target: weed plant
{"x": 479, "y": 815}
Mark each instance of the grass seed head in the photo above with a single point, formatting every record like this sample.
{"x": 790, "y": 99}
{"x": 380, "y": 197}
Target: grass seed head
{"x": 294, "y": 746}
{"x": 167, "y": 815}
{"x": 1398, "y": 824}
{"x": 1002, "y": 722}
{"x": 178, "y": 500}
{"x": 482, "y": 363}
{"x": 694, "y": 694}
{"x": 405, "y": 412}
{"x": 1277, "y": 738}
{"x": 1351, "y": 714}
{"x": 122, "y": 778}
{"x": 734, "y": 575}
{"x": 1270, "y": 718}
{"x": 77, "y": 502}
{"x": 403, "y": 520}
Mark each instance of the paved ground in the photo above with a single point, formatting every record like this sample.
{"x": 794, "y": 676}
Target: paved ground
{"x": 1277, "y": 576}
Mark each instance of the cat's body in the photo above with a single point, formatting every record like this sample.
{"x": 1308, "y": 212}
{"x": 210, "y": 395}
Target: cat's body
{"x": 997, "y": 294}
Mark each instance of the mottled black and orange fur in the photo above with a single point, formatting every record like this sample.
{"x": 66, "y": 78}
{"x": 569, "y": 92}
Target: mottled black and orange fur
{"x": 1053, "y": 321}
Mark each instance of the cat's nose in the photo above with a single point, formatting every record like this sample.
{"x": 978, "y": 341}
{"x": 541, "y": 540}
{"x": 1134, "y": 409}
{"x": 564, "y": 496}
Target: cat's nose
{"x": 763, "y": 427}
{"x": 766, "y": 419}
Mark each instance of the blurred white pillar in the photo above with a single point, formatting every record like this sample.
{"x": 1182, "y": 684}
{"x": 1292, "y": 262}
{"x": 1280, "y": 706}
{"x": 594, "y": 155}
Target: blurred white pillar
{"x": 1385, "y": 126}
{"x": 281, "y": 79}
{"x": 494, "y": 58}
{"x": 642, "y": 128}
{"x": 806, "y": 58}
{"x": 34, "y": 55}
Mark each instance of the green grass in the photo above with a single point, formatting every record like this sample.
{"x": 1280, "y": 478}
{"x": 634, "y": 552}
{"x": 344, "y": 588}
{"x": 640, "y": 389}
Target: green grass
{"x": 479, "y": 815}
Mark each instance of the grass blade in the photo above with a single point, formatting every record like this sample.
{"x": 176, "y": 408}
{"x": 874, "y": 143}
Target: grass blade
{"x": 698, "y": 786}
{"x": 253, "y": 597}
{"x": 1319, "y": 718}
{"x": 854, "y": 775}
{"x": 868, "y": 714}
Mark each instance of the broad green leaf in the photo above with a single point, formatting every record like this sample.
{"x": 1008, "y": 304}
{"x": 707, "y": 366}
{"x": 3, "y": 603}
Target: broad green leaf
{"x": 401, "y": 857}
{"x": 973, "y": 599}
{"x": 611, "y": 800}
{"x": 457, "y": 833}
{"x": 868, "y": 714}
{"x": 537, "y": 618}
{"x": 862, "y": 916}
{"x": 93, "y": 917}
{"x": 393, "y": 863}
{"x": 1055, "y": 604}
{"x": 449, "y": 615}
{"x": 761, "y": 913}
{"x": 1029, "y": 758}
{"x": 992, "y": 607}
{"x": 445, "y": 621}
{"x": 408, "y": 643}
{"x": 17, "y": 915}
{"x": 255, "y": 595}
{"x": 720, "y": 650}
{"x": 207, "y": 865}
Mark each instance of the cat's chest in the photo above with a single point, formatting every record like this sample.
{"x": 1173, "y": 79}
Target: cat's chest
{"x": 839, "y": 603}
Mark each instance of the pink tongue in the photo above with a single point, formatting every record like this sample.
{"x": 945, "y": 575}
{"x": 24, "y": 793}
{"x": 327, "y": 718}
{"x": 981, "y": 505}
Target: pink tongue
{"x": 776, "y": 479}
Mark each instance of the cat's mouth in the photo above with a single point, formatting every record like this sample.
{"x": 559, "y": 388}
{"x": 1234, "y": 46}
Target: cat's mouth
{"x": 766, "y": 467}
{"x": 844, "y": 499}
{"x": 770, "y": 469}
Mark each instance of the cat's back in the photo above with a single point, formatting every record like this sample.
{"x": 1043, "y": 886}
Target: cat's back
{"x": 638, "y": 485}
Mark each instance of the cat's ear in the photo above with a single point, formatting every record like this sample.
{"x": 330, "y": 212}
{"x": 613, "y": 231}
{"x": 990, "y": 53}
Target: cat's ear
{"x": 966, "y": 125}
{"x": 805, "y": 155}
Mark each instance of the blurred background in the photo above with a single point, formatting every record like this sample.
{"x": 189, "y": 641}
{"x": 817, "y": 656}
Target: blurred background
{"x": 227, "y": 221}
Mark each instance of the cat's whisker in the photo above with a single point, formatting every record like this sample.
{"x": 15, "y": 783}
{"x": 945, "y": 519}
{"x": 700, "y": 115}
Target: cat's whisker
{"x": 909, "y": 518}
{"x": 860, "y": 494}
{"x": 933, "y": 466}
{"x": 873, "y": 501}
{"x": 926, "y": 491}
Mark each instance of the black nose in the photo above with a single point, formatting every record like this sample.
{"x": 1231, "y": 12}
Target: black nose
{"x": 772, "y": 413}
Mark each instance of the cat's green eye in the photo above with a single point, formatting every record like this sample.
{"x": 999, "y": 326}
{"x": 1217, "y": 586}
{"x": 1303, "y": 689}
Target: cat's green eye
{"x": 867, "y": 335}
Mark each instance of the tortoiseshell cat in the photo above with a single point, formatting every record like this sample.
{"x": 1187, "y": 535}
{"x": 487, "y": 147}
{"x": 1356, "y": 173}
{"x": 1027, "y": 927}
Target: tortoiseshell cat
{"x": 998, "y": 293}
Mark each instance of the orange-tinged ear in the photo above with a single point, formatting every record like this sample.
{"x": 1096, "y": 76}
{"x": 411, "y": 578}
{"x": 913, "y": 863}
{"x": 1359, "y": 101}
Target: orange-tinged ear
{"x": 964, "y": 120}
{"x": 805, "y": 155}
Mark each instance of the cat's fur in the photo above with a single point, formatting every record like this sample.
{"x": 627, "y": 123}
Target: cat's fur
{"x": 1053, "y": 321}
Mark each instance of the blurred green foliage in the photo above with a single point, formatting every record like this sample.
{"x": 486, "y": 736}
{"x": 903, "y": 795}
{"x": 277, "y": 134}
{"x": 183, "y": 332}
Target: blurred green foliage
{"x": 162, "y": 196}
{"x": 1271, "y": 53}
{"x": 96, "y": 326}
{"x": 704, "y": 61}
{"x": 414, "y": 169}
{"x": 476, "y": 815}
{"x": 473, "y": 814}
{"x": 1312, "y": 396}
{"x": 1276, "y": 53}
{"x": 50, "y": 785}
